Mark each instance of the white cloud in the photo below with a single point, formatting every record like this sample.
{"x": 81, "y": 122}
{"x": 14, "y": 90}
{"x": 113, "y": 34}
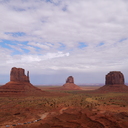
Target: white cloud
{"x": 15, "y": 47}
{"x": 39, "y": 45}
{"x": 35, "y": 58}
{"x": 54, "y": 29}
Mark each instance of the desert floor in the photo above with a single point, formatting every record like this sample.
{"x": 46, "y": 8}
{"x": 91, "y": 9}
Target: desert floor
{"x": 65, "y": 109}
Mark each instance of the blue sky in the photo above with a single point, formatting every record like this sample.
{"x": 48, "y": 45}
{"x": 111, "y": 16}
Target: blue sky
{"x": 12, "y": 45}
{"x": 59, "y": 38}
{"x": 15, "y": 34}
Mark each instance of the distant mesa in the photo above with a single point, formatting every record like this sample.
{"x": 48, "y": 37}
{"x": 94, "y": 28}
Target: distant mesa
{"x": 114, "y": 82}
{"x": 19, "y": 84}
{"x": 70, "y": 84}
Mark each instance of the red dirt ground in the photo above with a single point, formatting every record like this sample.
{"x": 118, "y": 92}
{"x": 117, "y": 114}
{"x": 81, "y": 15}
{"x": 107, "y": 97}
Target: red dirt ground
{"x": 84, "y": 118}
{"x": 103, "y": 116}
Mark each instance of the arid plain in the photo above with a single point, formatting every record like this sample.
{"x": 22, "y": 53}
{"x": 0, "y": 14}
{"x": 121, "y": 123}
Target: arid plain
{"x": 65, "y": 109}
{"x": 23, "y": 105}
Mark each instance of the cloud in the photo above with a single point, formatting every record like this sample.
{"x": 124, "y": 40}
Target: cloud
{"x": 86, "y": 21}
{"x": 39, "y": 45}
{"x": 70, "y": 35}
{"x": 35, "y": 58}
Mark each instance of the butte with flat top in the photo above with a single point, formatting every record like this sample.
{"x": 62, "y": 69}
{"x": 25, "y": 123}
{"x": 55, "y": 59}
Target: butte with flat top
{"x": 19, "y": 84}
{"x": 70, "y": 84}
{"x": 114, "y": 83}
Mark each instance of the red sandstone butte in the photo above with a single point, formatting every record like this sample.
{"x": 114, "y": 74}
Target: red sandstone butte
{"x": 18, "y": 74}
{"x": 70, "y": 84}
{"x": 19, "y": 84}
{"x": 114, "y": 83}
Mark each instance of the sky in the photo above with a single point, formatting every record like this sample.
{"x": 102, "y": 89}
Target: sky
{"x": 54, "y": 39}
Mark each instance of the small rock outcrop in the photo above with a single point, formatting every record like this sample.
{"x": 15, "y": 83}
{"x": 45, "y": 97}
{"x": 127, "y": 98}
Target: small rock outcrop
{"x": 18, "y": 74}
{"x": 70, "y": 84}
{"x": 19, "y": 84}
{"x": 114, "y": 83}
{"x": 114, "y": 77}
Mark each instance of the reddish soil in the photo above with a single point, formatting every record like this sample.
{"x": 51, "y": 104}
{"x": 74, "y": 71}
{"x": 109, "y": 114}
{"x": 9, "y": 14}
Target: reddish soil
{"x": 27, "y": 109}
{"x": 19, "y": 88}
{"x": 71, "y": 86}
{"x": 86, "y": 88}
{"x": 113, "y": 88}
{"x": 83, "y": 118}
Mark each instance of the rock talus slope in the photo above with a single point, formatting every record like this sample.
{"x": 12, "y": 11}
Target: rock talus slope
{"x": 19, "y": 84}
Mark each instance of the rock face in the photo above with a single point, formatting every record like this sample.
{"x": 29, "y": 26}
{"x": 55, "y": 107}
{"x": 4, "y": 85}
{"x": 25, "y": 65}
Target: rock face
{"x": 19, "y": 84}
{"x": 70, "y": 79}
{"x": 70, "y": 84}
{"x": 18, "y": 74}
{"x": 114, "y": 77}
{"x": 114, "y": 83}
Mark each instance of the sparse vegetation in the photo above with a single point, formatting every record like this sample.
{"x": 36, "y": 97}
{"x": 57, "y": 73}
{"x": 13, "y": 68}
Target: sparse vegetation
{"x": 32, "y": 106}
